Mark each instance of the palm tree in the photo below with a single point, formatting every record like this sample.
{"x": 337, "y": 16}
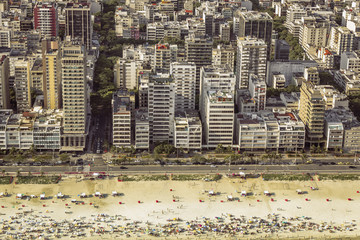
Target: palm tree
{"x": 304, "y": 157}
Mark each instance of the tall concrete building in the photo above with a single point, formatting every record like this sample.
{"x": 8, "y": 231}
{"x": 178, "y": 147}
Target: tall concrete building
{"x": 161, "y": 108}
{"x": 51, "y": 55}
{"x": 78, "y": 23}
{"x": 312, "y": 113}
{"x": 73, "y": 72}
{"x": 224, "y": 55}
{"x": 251, "y": 59}
{"x": 4, "y": 83}
{"x": 256, "y": 25}
{"x": 22, "y": 85}
{"x": 282, "y": 50}
{"x": 162, "y": 58}
{"x": 313, "y": 33}
{"x": 5, "y": 38}
{"x": 214, "y": 79}
{"x": 312, "y": 75}
{"x": 257, "y": 89}
{"x": 341, "y": 40}
{"x": 217, "y": 118}
{"x": 125, "y": 74}
{"x": 46, "y": 18}
{"x": 184, "y": 75}
{"x": 199, "y": 51}
{"x": 122, "y": 134}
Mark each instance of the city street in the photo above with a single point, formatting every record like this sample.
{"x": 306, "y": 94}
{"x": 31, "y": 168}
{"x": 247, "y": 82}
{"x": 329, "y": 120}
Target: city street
{"x": 199, "y": 169}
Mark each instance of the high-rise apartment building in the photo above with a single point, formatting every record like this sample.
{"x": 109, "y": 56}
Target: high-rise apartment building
{"x": 313, "y": 33}
{"x": 22, "y": 85}
{"x": 199, "y": 51}
{"x": 256, "y": 25}
{"x": 46, "y": 18}
{"x": 341, "y": 40}
{"x": 251, "y": 59}
{"x": 4, "y": 83}
{"x": 51, "y": 55}
{"x": 184, "y": 75}
{"x": 73, "y": 72}
{"x": 257, "y": 89}
{"x": 312, "y": 75}
{"x": 121, "y": 117}
{"x": 161, "y": 108}
{"x": 217, "y": 118}
{"x": 187, "y": 130}
{"x": 78, "y": 23}
{"x": 5, "y": 38}
{"x": 125, "y": 74}
{"x": 223, "y": 55}
{"x": 162, "y": 58}
{"x": 36, "y": 76}
{"x": 213, "y": 78}
{"x": 312, "y": 112}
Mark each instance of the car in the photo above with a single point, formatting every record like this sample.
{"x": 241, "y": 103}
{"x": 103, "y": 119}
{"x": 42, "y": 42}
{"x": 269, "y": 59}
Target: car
{"x": 213, "y": 166}
{"x": 242, "y": 168}
{"x": 352, "y": 167}
{"x": 122, "y": 167}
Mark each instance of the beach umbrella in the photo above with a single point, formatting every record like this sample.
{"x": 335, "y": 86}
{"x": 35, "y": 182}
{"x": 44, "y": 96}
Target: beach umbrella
{"x": 327, "y": 200}
{"x": 357, "y": 191}
{"x": 258, "y": 200}
{"x": 306, "y": 199}
{"x": 157, "y": 201}
{"x": 222, "y": 201}
{"x": 174, "y": 200}
{"x": 119, "y": 203}
{"x": 44, "y": 205}
{"x": 139, "y": 201}
{"x": 349, "y": 199}
{"x": 200, "y": 200}
{"x": 286, "y": 200}
{"x": 170, "y": 189}
{"x": 272, "y": 199}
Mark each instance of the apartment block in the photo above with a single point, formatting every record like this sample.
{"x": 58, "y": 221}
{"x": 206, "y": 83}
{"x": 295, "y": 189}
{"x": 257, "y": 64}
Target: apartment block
{"x": 312, "y": 75}
{"x": 199, "y": 51}
{"x": 257, "y": 89}
{"x": 5, "y": 38}
{"x": 223, "y": 55}
{"x": 313, "y": 33}
{"x": 142, "y": 130}
{"x": 122, "y": 134}
{"x": 46, "y": 18}
{"x": 312, "y": 112}
{"x": 161, "y": 108}
{"x": 78, "y": 23}
{"x": 350, "y": 61}
{"x": 265, "y": 130}
{"x": 251, "y": 59}
{"x": 215, "y": 78}
{"x": 341, "y": 40}
{"x": 4, "y": 82}
{"x": 187, "y": 130}
{"x": 217, "y": 118}
{"x": 125, "y": 73}
{"x": 349, "y": 81}
{"x": 184, "y": 75}
{"x": 278, "y": 81}
{"x": 22, "y": 85}
{"x": 47, "y": 130}
{"x": 73, "y": 72}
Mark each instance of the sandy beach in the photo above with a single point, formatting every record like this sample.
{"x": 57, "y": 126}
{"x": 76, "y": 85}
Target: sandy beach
{"x": 179, "y": 205}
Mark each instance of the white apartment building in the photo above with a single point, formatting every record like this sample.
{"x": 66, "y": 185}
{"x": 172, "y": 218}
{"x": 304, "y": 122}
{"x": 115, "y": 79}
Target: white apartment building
{"x": 184, "y": 75}
{"x": 341, "y": 40}
{"x": 223, "y": 55}
{"x": 295, "y": 12}
{"x": 214, "y": 78}
{"x": 164, "y": 55}
{"x": 121, "y": 119}
{"x": 272, "y": 131}
{"x": 125, "y": 73}
{"x": 325, "y": 58}
{"x": 154, "y": 31}
{"x": 142, "y": 130}
{"x": 22, "y": 83}
{"x": 278, "y": 81}
{"x": 251, "y": 59}
{"x": 47, "y": 130}
{"x": 187, "y": 130}
{"x": 350, "y": 61}
{"x": 313, "y": 33}
{"x": 312, "y": 74}
{"x": 161, "y": 107}
{"x": 349, "y": 81}
{"x": 218, "y": 118}
{"x": 257, "y": 89}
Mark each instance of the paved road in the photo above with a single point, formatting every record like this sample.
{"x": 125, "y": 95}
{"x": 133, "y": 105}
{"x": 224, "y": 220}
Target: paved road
{"x": 189, "y": 169}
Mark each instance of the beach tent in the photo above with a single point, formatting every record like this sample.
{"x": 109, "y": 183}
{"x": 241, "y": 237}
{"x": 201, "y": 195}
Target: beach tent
{"x": 299, "y": 191}
{"x": 242, "y": 174}
{"x": 73, "y": 200}
{"x": 42, "y": 196}
{"x": 114, "y": 193}
{"x": 266, "y": 193}
{"x": 83, "y": 195}
{"x": 19, "y": 196}
{"x": 97, "y": 194}
{"x": 60, "y": 195}
{"x": 211, "y": 192}
{"x": 230, "y": 198}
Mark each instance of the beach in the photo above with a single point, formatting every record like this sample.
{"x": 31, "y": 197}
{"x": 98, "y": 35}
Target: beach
{"x": 182, "y": 209}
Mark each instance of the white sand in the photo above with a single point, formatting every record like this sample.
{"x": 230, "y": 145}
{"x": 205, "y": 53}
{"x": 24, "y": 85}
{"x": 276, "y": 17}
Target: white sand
{"x": 188, "y": 194}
